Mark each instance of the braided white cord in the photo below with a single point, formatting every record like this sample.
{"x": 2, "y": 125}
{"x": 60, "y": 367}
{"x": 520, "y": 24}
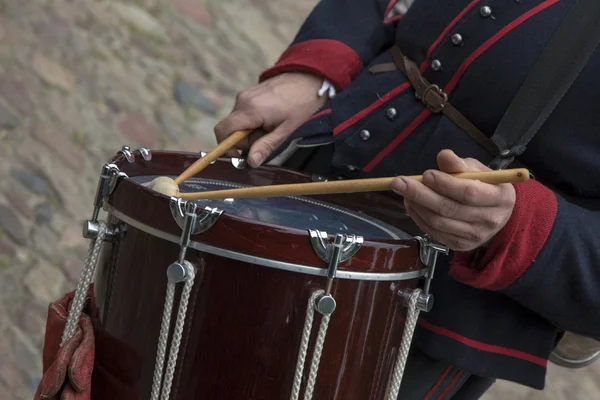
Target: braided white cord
{"x": 308, "y": 322}
{"x": 175, "y": 341}
{"x": 409, "y": 330}
{"x": 314, "y": 366}
{"x": 87, "y": 274}
{"x": 162, "y": 341}
{"x": 178, "y": 332}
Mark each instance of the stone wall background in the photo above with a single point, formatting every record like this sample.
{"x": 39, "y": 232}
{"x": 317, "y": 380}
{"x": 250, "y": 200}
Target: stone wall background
{"x": 80, "y": 78}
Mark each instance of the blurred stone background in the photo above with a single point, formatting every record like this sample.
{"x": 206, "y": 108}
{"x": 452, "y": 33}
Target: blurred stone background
{"x": 80, "y": 78}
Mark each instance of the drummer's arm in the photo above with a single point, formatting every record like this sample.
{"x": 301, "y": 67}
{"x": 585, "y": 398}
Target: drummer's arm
{"x": 336, "y": 40}
{"x": 547, "y": 258}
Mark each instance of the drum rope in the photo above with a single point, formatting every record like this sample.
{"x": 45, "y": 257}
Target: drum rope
{"x": 318, "y": 350}
{"x": 409, "y": 330}
{"x": 167, "y": 380}
{"x": 314, "y": 366}
{"x": 87, "y": 274}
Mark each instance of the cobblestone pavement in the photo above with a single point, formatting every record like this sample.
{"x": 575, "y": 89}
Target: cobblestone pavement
{"x": 80, "y": 78}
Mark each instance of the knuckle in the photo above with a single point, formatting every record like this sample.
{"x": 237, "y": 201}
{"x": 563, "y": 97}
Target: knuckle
{"x": 471, "y": 194}
{"x": 436, "y": 222}
{"x": 243, "y": 97}
{"x": 495, "y": 220}
{"x": 448, "y": 208}
{"x": 413, "y": 192}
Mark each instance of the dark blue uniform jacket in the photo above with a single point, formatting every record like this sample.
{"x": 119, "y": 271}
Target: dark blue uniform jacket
{"x": 541, "y": 274}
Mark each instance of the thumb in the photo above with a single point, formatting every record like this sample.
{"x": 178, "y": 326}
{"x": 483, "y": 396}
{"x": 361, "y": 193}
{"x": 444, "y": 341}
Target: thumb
{"x": 263, "y": 147}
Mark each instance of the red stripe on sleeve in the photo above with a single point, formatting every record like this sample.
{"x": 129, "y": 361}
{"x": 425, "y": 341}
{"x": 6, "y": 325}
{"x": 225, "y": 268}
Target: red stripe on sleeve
{"x": 330, "y": 59}
{"x": 517, "y": 245}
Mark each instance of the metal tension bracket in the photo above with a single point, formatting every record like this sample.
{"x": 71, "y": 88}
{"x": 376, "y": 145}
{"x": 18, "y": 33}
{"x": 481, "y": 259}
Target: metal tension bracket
{"x": 237, "y": 162}
{"x": 341, "y": 249}
{"x": 181, "y": 209}
{"x": 129, "y": 155}
{"x": 109, "y": 177}
{"x": 428, "y": 253}
{"x": 180, "y": 271}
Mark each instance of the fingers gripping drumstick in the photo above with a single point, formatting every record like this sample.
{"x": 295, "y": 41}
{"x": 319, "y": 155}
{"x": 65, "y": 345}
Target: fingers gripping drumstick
{"x": 349, "y": 186}
{"x": 170, "y": 187}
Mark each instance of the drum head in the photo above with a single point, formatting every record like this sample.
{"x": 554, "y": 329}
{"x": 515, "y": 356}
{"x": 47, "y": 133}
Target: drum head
{"x": 290, "y": 212}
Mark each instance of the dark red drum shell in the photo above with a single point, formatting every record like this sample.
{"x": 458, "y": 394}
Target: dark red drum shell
{"x": 244, "y": 321}
{"x": 249, "y": 237}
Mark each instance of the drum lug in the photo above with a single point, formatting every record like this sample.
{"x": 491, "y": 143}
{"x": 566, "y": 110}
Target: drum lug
{"x": 430, "y": 249}
{"x": 424, "y": 301}
{"x": 126, "y": 151}
{"x": 318, "y": 240}
{"x": 181, "y": 209}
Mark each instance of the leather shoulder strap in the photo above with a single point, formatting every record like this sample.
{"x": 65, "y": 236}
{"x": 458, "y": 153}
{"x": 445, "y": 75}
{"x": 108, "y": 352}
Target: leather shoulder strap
{"x": 559, "y": 64}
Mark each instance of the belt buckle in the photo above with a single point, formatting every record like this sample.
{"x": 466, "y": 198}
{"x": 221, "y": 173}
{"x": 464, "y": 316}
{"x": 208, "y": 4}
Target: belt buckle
{"x": 435, "y": 89}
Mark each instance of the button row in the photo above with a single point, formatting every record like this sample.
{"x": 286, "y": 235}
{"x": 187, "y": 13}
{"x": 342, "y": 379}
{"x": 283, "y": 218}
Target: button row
{"x": 457, "y": 39}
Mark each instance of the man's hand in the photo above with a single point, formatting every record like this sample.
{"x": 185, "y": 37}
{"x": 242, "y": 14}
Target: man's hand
{"x": 274, "y": 108}
{"x": 460, "y": 213}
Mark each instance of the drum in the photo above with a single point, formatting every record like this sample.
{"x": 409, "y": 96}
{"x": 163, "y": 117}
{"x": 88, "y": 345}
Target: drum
{"x": 249, "y": 298}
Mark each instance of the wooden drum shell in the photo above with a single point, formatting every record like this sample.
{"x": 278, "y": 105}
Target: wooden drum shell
{"x": 245, "y": 319}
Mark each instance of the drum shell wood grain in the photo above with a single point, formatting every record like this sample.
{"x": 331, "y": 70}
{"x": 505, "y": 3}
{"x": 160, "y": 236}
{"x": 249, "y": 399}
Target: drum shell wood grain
{"x": 244, "y": 320}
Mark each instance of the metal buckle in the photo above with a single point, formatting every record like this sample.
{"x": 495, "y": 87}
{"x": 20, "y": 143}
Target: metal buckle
{"x": 435, "y": 89}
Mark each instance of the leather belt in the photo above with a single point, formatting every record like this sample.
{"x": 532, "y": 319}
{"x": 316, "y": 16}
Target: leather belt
{"x": 432, "y": 96}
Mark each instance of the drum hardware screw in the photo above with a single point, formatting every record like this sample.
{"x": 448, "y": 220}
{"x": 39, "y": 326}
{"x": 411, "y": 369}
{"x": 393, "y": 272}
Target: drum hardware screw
{"x": 365, "y": 135}
{"x": 126, "y": 151}
{"x": 177, "y": 272}
{"x": 436, "y": 65}
{"x": 92, "y": 228}
{"x": 424, "y": 301}
{"x": 430, "y": 249}
{"x": 326, "y": 304}
{"x": 146, "y": 154}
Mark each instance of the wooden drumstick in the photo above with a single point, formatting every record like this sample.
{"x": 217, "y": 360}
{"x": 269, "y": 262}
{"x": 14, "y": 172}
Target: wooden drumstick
{"x": 349, "y": 186}
{"x": 217, "y": 152}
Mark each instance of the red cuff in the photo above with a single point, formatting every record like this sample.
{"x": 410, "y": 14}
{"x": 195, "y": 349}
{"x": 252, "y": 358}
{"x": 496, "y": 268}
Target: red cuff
{"x": 328, "y": 58}
{"x": 517, "y": 245}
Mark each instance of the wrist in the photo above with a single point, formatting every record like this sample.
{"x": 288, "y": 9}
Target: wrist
{"x": 302, "y": 88}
